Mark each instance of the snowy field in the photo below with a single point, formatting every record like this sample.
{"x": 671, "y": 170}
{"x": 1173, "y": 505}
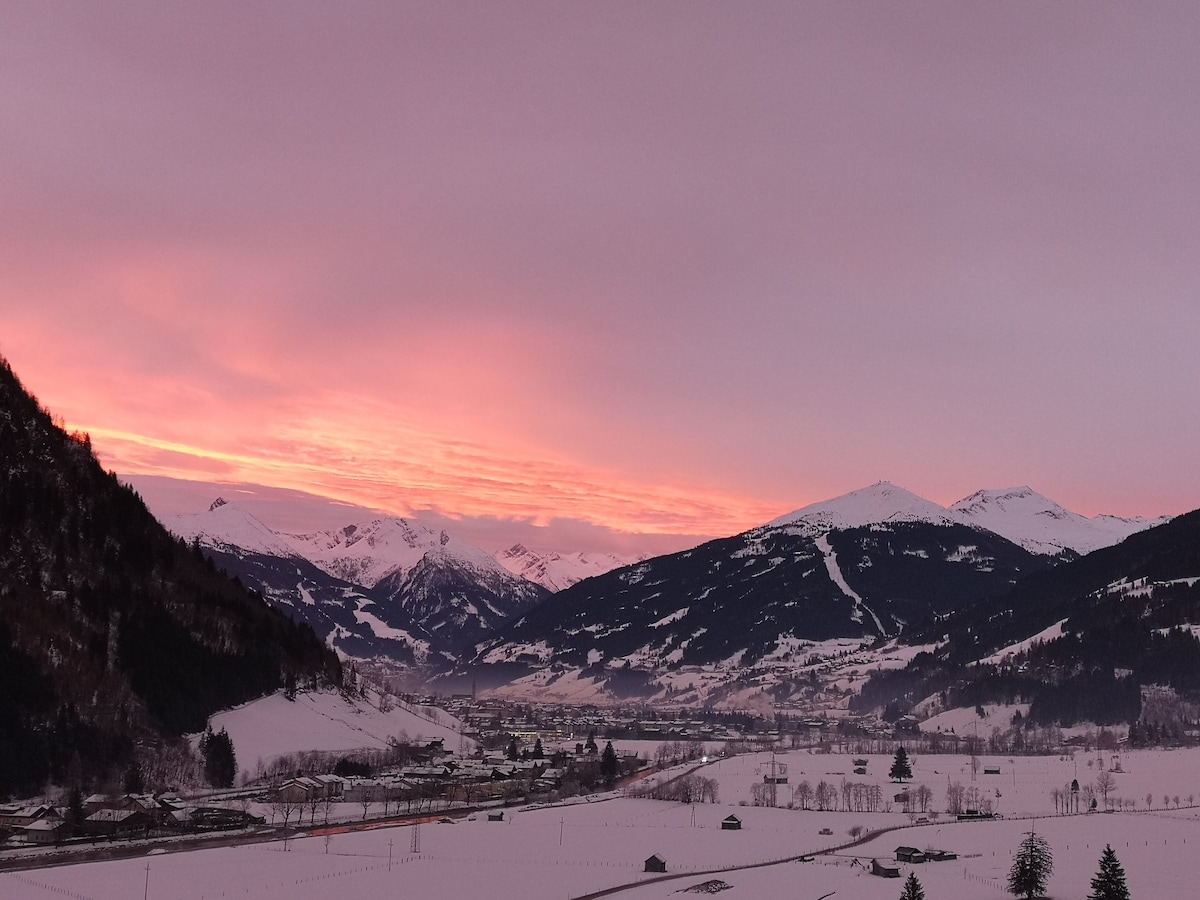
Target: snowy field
{"x": 557, "y": 852}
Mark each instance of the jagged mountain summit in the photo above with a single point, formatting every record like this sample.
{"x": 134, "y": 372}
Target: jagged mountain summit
{"x": 226, "y": 526}
{"x": 385, "y": 587}
{"x": 556, "y": 571}
{"x": 1040, "y": 525}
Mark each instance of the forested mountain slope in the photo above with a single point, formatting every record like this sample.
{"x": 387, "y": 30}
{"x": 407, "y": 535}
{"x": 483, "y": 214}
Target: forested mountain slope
{"x": 112, "y": 632}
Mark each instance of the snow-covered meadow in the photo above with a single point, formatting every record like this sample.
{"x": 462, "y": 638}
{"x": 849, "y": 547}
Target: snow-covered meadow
{"x": 271, "y": 726}
{"x": 564, "y": 851}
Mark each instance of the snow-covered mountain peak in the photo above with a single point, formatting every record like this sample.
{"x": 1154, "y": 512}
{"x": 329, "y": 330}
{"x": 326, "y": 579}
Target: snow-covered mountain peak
{"x": 367, "y": 552}
{"x": 226, "y": 525}
{"x": 881, "y": 502}
{"x": 1013, "y": 502}
{"x": 1040, "y": 525}
{"x": 556, "y": 571}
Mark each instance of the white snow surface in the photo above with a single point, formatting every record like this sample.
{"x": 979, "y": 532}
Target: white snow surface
{"x": 326, "y": 720}
{"x": 551, "y": 852}
{"x": 1052, "y": 633}
{"x": 556, "y": 571}
{"x": 877, "y": 504}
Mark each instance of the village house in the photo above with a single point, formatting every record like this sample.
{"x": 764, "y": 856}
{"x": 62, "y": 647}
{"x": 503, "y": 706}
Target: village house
{"x": 115, "y": 822}
{"x": 43, "y": 831}
{"x": 15, "y": 816}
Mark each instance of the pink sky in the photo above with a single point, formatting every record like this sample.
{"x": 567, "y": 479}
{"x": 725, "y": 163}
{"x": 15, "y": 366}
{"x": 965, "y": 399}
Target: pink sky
{"x": 660, "y": 267}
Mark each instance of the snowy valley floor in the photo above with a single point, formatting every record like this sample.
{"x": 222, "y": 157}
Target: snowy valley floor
{"x": 560, "y": 852}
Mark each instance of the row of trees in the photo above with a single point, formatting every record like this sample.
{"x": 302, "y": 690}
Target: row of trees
{"x": 686, "y": 789}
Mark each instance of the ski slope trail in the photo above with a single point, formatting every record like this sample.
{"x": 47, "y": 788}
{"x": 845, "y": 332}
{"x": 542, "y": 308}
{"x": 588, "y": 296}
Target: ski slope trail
{"x": 836, "y": 576}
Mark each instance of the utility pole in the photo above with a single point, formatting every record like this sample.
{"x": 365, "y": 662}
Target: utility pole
{"x": 389, "y": 855}
{"x": 146, "y": 891}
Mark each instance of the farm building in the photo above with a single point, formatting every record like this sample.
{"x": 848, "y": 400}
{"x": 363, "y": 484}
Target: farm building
{"x": 909, "y": 855}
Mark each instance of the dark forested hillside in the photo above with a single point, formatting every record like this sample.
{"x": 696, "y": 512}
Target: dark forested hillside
{"x": 111, "y": 631}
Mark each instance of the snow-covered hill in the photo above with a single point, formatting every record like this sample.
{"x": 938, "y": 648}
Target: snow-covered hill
{"x": 1040, "y": 525}
{"x": 556, "y": 571}
{"x": 329, "y": 721}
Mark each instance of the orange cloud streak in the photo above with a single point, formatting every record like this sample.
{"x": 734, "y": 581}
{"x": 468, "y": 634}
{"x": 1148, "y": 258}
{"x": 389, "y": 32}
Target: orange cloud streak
{"x": 359, "y": 451}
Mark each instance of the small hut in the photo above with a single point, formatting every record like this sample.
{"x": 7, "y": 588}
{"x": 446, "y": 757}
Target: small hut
{"x": 885, "y": 869}
{"x": 731, "y": 823}
{"x": 656, "y": 863}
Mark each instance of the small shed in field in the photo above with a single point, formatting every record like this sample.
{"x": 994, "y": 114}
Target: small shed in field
{"x": 731, "y": 823}
{"x": 885, "y": 869}
{"x": 656, "y": 863}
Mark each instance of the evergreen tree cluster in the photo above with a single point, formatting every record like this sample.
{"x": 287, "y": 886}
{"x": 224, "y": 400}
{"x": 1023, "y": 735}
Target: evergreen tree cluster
{"x": 220, "y": 761}
{"x": 111, "y": 630}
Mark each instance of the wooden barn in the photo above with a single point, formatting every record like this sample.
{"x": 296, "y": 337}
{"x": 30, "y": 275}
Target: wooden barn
{"x": 909, "y": 855}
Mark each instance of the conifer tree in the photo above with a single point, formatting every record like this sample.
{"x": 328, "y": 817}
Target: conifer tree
{"x": 1109, "y": 882}
{"x": 1031, "y": 867}
{"x": 912, "y": 889}
{"x": 610, "y": 766}
{"x": 900, "y": 766}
